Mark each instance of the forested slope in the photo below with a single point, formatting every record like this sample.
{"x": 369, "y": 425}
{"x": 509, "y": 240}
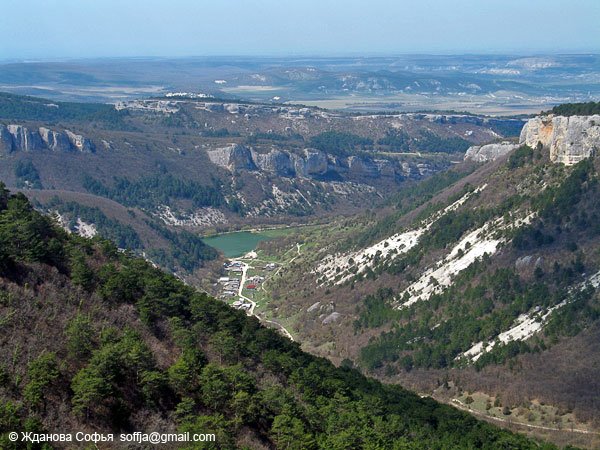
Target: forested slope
{"x": 93, "y": 339}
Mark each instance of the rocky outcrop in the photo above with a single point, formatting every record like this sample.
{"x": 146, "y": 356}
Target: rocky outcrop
{"x": 55, "y": 140}
{"x": 312, "y": 163}
{"x": 6, "y": 140}
{"x": 489, "y": 152}
{"x": 233, "y": 157}
{"x": 275, "y": 161}
{"x": 386, "y": 168}
{"x": 25, "y": 140}
{"x": 569, "y": 139}
{"x": 362, "y": 167}
{"x": 18, "y": 138}
{"x": 80, "y": 142}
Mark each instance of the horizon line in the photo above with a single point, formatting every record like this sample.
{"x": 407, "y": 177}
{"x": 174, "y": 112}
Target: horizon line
{"x": 340, "y": 55}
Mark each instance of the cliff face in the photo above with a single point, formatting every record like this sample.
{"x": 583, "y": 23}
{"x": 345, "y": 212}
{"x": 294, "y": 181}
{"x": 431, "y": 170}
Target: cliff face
{"x": 55, "y": 141}
{"x": 6, "y": 140}
{"x": 489, "y": 152}
{"x": 569, "y": 139}
{"x": 24, "y": 140}
{"x": 80, "y": 142}
{"x": 313, "y": 162}
{"x": 275, "y": 161}
{"x": 17, "y": 138}
{"x": 233, "y": 157}
{"x": 310, "y": 163}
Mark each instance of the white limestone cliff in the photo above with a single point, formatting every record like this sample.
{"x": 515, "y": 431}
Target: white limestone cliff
{"x": 489, "y": 152}
{"x": 569, "y": 139}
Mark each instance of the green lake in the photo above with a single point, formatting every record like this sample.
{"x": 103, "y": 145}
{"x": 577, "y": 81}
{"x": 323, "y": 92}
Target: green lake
{"x": 234, "y": 245}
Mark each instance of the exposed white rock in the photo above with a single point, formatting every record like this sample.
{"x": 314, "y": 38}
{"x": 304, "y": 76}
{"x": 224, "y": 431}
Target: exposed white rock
{"x": 313, "y": 162}
{"x": 470, "y": 248}
{"x": 527, "y": 261}
{"x": 159, "y": 106}
{"x": 80, "y": 142}
{"x": 489, "y": 152}
{"x": 275, "y": 161}
{"x": 24, "y": 139}
{"x": 526, "y": 325}
{"x": 349, "y": 188}
{"x": 345, "y": 266}
{"x": 233, "y": 157}
{"x": 333, "y": 317}
{"x": 81, "y": 228}
{"x": 85, "y": 229}
{"x": 313, "y": 307}
{"x": 55, "y": 140}
{"x": 200, "y": 218}
{"x": 19, "y": 138}
{"x": 569, "y": 139}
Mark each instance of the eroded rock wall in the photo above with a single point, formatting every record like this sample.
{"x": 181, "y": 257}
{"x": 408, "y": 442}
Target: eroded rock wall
{"x": 569, "y": 139}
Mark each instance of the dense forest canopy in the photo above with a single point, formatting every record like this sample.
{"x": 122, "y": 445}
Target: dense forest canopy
{"x": 577, "y": 109}
{"x": 17, "y": 107}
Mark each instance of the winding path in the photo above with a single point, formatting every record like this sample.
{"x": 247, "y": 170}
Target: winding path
{"x": 460, "y": 405}
{"x": 245, "y": 266}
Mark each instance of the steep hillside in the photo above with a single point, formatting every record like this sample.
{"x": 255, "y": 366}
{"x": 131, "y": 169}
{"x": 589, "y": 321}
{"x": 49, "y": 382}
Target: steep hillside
{"x": 94, "y": 340}
{"x": 493, "y": 279}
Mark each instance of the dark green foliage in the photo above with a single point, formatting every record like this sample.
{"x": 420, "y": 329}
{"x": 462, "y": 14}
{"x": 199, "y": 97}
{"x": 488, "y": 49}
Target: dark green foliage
{"x": 80, "y": 337}
{"x": 27, "y": 175}
{"x": 338, "y": 143}
{"x": 428, "y": 142}
{"x": 419, "y": 193}
{"x": 26, "y": 235}
{"x": 123, "y": 236}
{"x": 152, "y": 191}
{"x": 188, "y": 250}
{"x": 17, "y": 107}
{"x": 531, "y": 237}
{"x": 222, "y": 132}
{"x": 572, "y": 318}
{"x": 41, "y": 373}
{"x": 254, "y": 138}
{"x": 577, "y": 109}
{"x": 559, "y": 203}
{"x": 184, "y": 374}
{"x": 376, "y": 310}
{"x": 409, "y": 198}
{"x": 520, "y": 157}
{"x": 557, "y": 207}
{"x": 472, "y": 313}
{"x": 507, "y": 128}
{"x": 118, "y": 371}
{"x": 503, "y": 352}
{"x": 81, "y": 274}
{"x": 397, "y": 140}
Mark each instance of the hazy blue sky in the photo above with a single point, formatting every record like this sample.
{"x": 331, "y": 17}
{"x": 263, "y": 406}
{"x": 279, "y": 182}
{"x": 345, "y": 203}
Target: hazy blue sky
{"x": 89, "y": 28}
